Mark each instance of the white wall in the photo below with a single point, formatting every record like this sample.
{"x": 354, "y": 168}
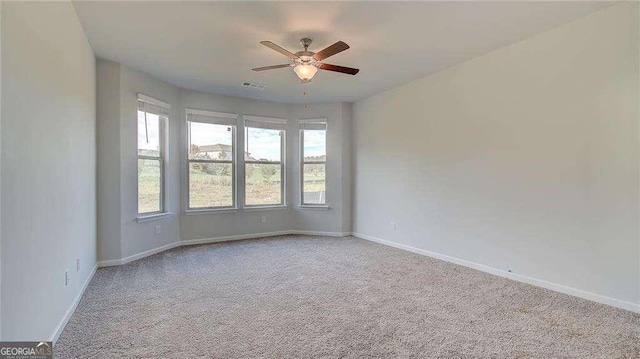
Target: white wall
{"x": 108, "y": 151}
{"x": 525, "y": 158}
{"x": 0, "y": 170}
{"x": 347, "y": 167}
{"x": 48, "y": 165}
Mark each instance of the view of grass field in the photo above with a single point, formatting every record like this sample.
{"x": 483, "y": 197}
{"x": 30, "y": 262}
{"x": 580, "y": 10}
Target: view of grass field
{"x": 211, "y": 165}
{"x": 210, "y": 185}
{"x": 263, "y": 184}
{"x": 148, "y": 186}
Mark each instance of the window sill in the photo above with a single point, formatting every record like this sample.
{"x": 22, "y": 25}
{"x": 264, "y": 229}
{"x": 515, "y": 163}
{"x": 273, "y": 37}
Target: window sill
{"x": 196, "y": 212}
{"x": 264, "y": 208}
{"x": 312, "y": 207}
{"x": 153, "y": 217}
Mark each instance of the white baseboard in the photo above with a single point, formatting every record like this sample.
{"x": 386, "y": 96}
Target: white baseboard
{"x": 190, "y": 242}
{"x": 150, "y": 252}
{"x": 520, "y": 278}
{"x": 109, "y": 263}
{"x": 117, "y": 262}
{"x": 63, "y": 323}
{"x": 319, "y": 233}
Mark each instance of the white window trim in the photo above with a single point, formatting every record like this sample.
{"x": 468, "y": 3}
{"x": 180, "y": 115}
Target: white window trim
{"x": 198, "y": 212}
{"x": 274, "y": 120}
{"x": 273, "y": 123}
{"x": 191, "y": 111}
{"x": 312, "y": 121}
{"x": 301, "y": 124}
{"x": 319, "y": 207}
{"x": 164, "y": 141}
{"x": 154, "y": 217}
{"x": 148, "y": 99}
{"x": 274, "y": 207}
{"x": 215, "y": 118}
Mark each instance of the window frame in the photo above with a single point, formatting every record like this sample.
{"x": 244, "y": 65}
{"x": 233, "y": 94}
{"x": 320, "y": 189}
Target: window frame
{"x": 214, "y": 118}
{"x": 309, "y": 123}
{"x": 163, "y": 113}
{"x": 269, "y": 123}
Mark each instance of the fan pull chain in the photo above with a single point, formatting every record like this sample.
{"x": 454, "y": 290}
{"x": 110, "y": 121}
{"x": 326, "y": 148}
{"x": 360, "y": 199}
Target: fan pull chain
{"x": 304, "y": 93}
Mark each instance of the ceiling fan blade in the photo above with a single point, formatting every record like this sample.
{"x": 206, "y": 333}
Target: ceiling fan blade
{"x": 342, "y": 69}
{"x": 271, "y": 67}
{"x": 281, "y": 50}
{"x": 330, "y": 51}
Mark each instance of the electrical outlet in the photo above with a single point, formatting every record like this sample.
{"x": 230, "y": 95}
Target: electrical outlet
{"x": 394, "y": 226}
{"x": 157, "y": 230}
{"x": 77, "y": 264}
{"x": 66, "y": 277}
{"x": 264, "y": 219}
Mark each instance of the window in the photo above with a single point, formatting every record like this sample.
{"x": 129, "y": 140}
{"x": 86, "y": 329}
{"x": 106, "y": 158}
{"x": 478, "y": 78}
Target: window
{"x": 313, "y": 165}
{"x": 264, "y": 161}
{"x": 152, "y": 121}
{"x": 212, "y": 160}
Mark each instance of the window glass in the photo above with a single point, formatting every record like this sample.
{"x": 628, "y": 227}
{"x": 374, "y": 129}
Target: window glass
{"x": 263, "y": 184}
{"x": 315, "y": 145}
{"x": 314, "y": 164}
{"x": 210, "y": 185}
{"x": 264, "y": 169}
{"x": 263, "y": 145}
{"x": 210, "y": 141}
{"x": 148, "y": 134}
{"x": 313, "y": 184}
{"x": 211, "y": 165}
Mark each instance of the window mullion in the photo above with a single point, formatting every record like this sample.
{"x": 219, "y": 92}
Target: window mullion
{"x": 264, "y": 162}
{"x": 209, "y": 161}
{"x": 146, "y": 157}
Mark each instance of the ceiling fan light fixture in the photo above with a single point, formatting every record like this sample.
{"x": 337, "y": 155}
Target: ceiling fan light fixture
{"x": 305, "y": 72}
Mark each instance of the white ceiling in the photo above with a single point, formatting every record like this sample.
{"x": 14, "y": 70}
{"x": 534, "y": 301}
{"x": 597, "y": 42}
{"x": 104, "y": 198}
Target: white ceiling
{"x": 212, "y": 46}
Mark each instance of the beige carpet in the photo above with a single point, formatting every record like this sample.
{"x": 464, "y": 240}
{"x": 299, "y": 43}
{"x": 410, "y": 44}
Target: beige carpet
{"x": 316, "y": 297}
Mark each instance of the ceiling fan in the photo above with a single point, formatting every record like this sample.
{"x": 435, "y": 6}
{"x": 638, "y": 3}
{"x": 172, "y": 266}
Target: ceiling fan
{"x": 306, "y": 63}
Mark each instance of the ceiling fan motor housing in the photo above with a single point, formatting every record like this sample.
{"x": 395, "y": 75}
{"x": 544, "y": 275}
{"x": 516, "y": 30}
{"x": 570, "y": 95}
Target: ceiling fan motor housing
{"x": 305, "y": 56}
